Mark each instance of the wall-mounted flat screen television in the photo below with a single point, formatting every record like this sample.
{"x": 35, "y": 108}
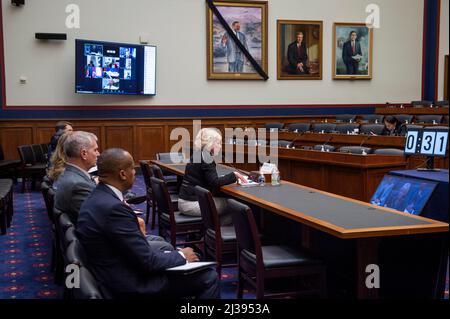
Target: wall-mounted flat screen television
{"x": 407, "y": 195}
{"x": 114, "y": 68}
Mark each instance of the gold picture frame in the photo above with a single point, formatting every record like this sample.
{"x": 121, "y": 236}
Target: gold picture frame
{"x": 299, "y": 50}
{"x": 352, "y": 60}
{"x": 224, "y": 61}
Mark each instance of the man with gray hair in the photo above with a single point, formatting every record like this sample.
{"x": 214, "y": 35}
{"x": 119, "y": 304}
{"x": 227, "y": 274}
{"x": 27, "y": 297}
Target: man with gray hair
{"x": 75, "y": 184}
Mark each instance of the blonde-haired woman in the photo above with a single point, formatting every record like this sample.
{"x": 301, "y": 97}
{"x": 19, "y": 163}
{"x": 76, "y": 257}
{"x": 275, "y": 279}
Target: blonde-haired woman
{"x": 201, "y": 171}
{"x": 58, "y": 159}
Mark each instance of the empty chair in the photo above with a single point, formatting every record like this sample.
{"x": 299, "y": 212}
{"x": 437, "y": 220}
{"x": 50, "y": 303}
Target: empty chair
{"x": 389, "y": 151}
{"x": 404, "y": 118}
{"x": 281, "y": 143}
{"x": 273, "y": 126}
{"x": 258, "y": 264}
{"x": 220, "y": 241}
{"x": 355, "y": 150}
{"x": 39, "y": 155}
{"x": 371, "y": 128}
{"x": 29, "y": 167}
{"x": 324, "y": 127}
{"x": 441, "y": 103}
{"x": 373, "y": 118}
{"x": 256, "y": 143}
{"x": 324, "y": 147}
{"x": 146, "y": 174}
{"x": 445, "y": 119}
{"x": 429, "y": 119}
{"x": 421, "y": 103}
{"x": 8, "y": 168}
{"x": 413, "y": 127}
{"x": 437, "y": 128}
{"x": 170, "y": 158}
{"x": 89, "y": 288}
{"x": 348, "y": 118}
{"x": 171, "y": 222}
{"x": 346, "y": 128}
{"x": 299, "y": 127}
{"x": 6, "y": 204}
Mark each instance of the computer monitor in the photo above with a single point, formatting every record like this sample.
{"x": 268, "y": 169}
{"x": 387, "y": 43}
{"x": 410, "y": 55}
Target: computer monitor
{"x": 115, "y": 68}
{"x": 407, "y": 195}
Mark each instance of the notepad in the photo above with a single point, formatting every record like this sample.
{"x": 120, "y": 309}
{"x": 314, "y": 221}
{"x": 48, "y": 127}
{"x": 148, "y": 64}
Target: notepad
{"x": 190, "y": 268}
{"x": 250, "y": 183}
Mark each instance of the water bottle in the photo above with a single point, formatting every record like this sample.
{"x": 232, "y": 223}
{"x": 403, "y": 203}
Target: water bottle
{"x": 261, "y": 180}
{"x": 275, "y": 177}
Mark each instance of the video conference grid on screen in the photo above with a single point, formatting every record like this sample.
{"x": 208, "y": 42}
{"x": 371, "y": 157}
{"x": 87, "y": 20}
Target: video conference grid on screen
{"x": 407, "y": 195}
{"x": 114, "y": 68}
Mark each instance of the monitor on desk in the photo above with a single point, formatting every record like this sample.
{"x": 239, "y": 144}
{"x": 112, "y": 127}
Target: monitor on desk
{"x": 407, "y": 195}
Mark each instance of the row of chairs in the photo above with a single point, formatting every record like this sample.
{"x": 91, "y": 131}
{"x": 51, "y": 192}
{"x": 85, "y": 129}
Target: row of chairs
{"x": 345, "y": 128}
{"x": 424, "y": 103}
{"x": 6, "y": 204}
{"x": 367, "y": 119}
{"x": 67, "y": 250}
{"x": 233, "y": 245}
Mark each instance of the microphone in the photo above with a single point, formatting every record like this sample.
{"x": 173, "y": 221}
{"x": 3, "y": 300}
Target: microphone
{"x": 296, "y": 139}
{"x": 326, "y": 143}
{"x": 362, "y": 143}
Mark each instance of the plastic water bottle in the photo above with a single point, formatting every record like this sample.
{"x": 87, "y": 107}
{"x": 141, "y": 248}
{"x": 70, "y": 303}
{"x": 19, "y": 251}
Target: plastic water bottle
{"x": 275, "y": 177}
{"x": 376, "y": 121}
{"x": 261, "y": 180}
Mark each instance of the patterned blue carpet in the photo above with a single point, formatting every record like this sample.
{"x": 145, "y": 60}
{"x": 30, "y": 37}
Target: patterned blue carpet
{"x": 26, "y": 252}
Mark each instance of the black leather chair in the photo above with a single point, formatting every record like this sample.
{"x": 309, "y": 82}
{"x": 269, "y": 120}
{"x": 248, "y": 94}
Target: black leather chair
{"x": 171, "y": 180}
{"x": 258, "y": 264}
{"x": 346, "y": 118}
{"x": 346, "y": 128}
{"x": 372, "y": 118}
{"x": 219, "y": 241}
{"x": 389, "y": 151}
{"x": 445, "y": 120}
{"x": 281, "y": 143}
{"x": 39, "y": 156}
{"x": 89, "y": 288}
{"x": 172, "y": 223}
{"x": 371, "y": 128}
{"x": 146, "y": 174}
{"x": 274, "y": 126}
{"x": 421, "y": 103}
{"x": 355, "y": 150}
{"x": 413, "y": 127}
{"x": 299, "y": 127}
{"x": 324, "y": 147}
{"x": 436, "y": 128}
{"x": 325, "y": 127}
{"x": 429, "y": 119}
{"x": 6, "y": 204}
{"x": 404, "y": 118}
{"x": 170, "y": 158}
{"x": 441, "y": 103}
{"x": 8, "y": 168}
{"x": 30, "y": 168}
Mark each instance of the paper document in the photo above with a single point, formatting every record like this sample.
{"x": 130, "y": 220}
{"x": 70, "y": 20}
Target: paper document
{"x": 357, "y": 57}
{"x": 192, "y": 266}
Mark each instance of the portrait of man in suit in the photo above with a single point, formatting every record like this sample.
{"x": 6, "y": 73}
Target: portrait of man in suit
{"x": 352, "y": 51}
{"x": 299, "y": 50}
{"x": 242, "y": 26}
{"x": 298, "y": 56}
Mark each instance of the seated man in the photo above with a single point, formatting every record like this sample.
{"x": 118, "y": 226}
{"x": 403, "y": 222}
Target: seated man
{"x": 119, "y": 255}
{"x": 75, "y": 184}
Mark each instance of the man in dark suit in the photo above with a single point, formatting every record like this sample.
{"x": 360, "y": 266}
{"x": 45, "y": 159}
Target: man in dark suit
{"x": 120, "y": 257}
{"x": 351, "y": 53}
{"x": 298, "y": 56}
{"x": 75, "y": 184}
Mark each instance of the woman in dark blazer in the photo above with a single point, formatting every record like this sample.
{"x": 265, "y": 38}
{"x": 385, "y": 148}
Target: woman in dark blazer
{"x": 201, "y": 171}
{"x": 393, "y": 127}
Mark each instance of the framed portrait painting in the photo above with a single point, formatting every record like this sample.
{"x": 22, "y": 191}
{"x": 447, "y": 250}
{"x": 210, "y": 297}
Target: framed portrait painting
{"x": 352, "y": 51}
{"x": 299, "y": 47}
{"x": 248, "y": 21}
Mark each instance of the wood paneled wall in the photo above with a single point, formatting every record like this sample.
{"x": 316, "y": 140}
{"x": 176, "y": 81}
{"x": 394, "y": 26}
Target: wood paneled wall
{"x": 143, "y": 138}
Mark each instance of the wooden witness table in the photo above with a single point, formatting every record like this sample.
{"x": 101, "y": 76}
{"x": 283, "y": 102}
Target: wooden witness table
{"x": 350, "y": 175}
{"x": 368, "y": 234}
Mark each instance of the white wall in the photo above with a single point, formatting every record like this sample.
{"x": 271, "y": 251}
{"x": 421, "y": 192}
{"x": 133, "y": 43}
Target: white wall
{"x": 179, "y": 25}
{"x": 443, "y": 46}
